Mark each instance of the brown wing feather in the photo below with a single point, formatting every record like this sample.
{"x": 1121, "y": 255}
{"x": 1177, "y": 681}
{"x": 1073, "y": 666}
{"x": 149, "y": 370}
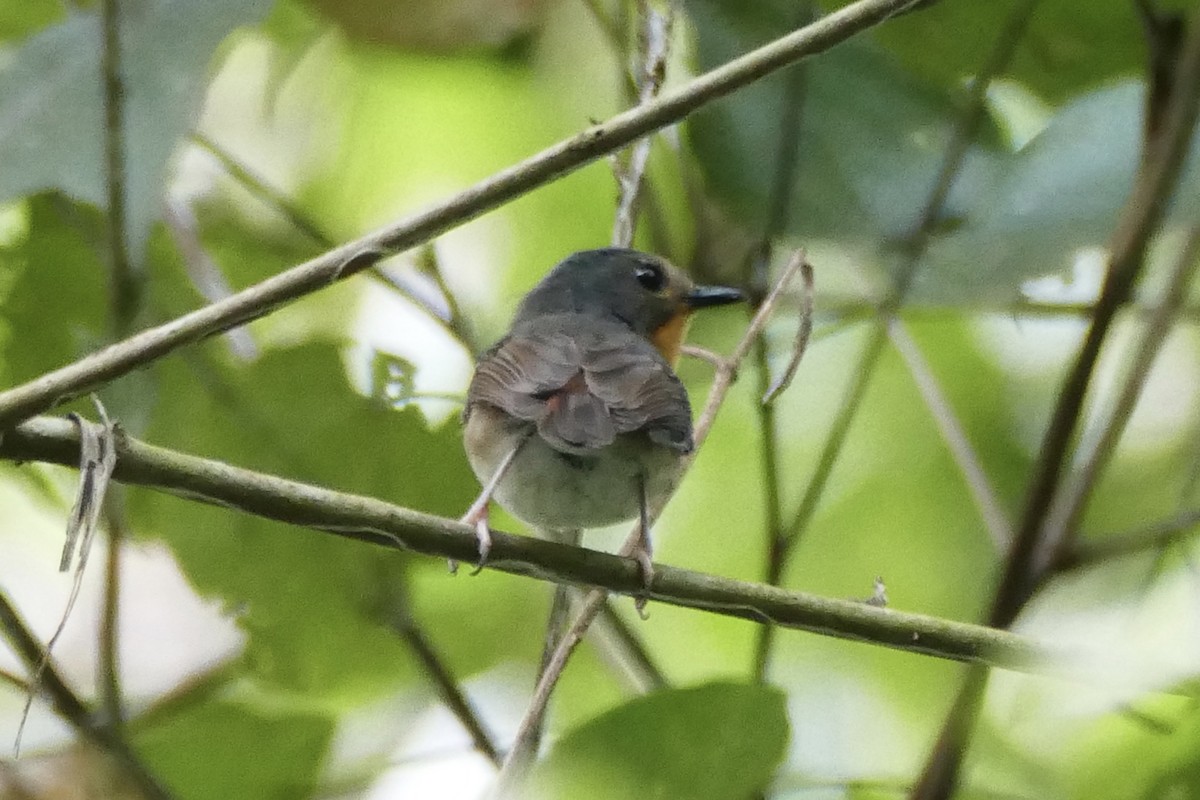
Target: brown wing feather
{"x": 583, "y": 389}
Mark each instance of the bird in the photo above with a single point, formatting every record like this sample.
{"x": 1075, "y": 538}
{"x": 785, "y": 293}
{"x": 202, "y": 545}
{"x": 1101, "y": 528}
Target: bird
{"x": 576, "y": 418}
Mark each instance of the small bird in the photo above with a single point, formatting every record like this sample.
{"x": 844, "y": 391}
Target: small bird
{"x": 576, "y": 418}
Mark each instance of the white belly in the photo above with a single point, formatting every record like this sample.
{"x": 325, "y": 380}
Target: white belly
{"x": 546, "y": 488}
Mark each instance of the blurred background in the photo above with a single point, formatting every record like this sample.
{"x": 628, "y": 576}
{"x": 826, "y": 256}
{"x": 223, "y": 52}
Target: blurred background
{"x": 256, "y": 660}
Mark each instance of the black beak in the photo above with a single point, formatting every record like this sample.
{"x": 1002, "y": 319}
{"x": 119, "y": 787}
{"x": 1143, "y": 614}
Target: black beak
{"x": 706, "y": 296}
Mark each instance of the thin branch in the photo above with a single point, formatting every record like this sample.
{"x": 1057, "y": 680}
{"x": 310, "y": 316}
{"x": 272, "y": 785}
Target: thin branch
{"x": 787, "y": 162}
{"x": 299, "y": 220}
{"x": 126, "y": 284}
{"x": 857, "y": 309}
{"x": 454, "y": 698}
{"x": 987, "y": 503}
{"x": 627, "y": 652}
{"x": 1032, "y": 553}
{"x": 111, "y": 695}
{"x": 68, "y": 705}
{"x": 1063, "y": 518}
{"x": 454, "y": 321}
{"x": 656, "y": 35}
{"x": 263, "y": 190}
{"x": 261, "y": 299}
{"x": 1152, "y": 537}
{"x": 203, "y": 272}
{"x": 915, "y": 245}
{"x": 800, "y": 344}
{"x": 1138, "y": 220}
{"x": 18, "y": 683}
{"x": 365, "y": 519}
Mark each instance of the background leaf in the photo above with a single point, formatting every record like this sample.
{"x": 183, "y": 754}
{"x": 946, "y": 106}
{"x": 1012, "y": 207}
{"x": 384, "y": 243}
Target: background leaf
{"x": 53, "y": 83}
{"x": 714, "y": 742}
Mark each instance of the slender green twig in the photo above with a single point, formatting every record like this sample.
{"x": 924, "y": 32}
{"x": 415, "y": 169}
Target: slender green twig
{"x": 126, "y": 305}
{"x": 434, "y": 665}
{"x": 914, "y": 249}
{"x": 111, "y": 695}
{"x": 1097, "y": 549}
{"x": 1062, "y": 525}
{"x": 126, "y": 283}
{"x": 787, "y": 162}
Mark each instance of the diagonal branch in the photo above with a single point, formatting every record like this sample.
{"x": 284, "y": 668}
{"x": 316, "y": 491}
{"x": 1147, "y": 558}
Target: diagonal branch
{"x": 1035, "y": 548}
{"x": 70, "y": 707}
{"x": 366, "y": 519}
{"x": 567, "y": 156}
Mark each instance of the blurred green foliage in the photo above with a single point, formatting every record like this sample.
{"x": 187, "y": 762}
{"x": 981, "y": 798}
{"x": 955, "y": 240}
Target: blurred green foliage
{"x": 346, "y": 125}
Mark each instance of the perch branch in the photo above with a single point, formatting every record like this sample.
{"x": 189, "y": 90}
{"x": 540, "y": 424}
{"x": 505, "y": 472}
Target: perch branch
{"x": 365, "y": 519}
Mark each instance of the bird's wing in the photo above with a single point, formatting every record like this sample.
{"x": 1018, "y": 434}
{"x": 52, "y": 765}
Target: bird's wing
{"x": 584, "y": 388}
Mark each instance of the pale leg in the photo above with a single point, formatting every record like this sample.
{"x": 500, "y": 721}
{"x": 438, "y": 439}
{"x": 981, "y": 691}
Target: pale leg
{"x": 477, "y": 514}
{"x": 642, "y": 549}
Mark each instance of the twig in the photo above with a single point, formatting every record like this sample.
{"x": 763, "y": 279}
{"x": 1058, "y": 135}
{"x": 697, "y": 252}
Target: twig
{"x": 12, "y": 680}
{"x": 126, "y": 283}
{"x": 855, "y": 309}
{"x": 915, "y": 245}
{"x": 70, "y": 707}
{"x": 365, "y": 519}
{"x": 261, "y": 299}
{"x": 1137, "y": 222}
{"x": 454, "y": 698}
{"x": 204, "y": 273}
{"x": 787, "y": 160}
{"x": 1029, "y": 558}
{"x": 656, "y": 34}
{"x": 261, "y": 189}
{"x": 1151, "y": 537}
{"x": 522, "y": 752}
{"x": 111, "y": 695}
{"x": 800, "y": 344}
{"x": 625, "y": 649}
{"x": 299, "y": 220}
{"x": 455, "y": 321}
{"x": 991, "y": 511}
{"x": 1063, "y": 518}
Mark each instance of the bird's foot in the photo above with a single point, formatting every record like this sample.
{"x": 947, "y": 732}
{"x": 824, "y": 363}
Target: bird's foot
{"x": 477, "y": 516}
{"x": 642, "y": 554}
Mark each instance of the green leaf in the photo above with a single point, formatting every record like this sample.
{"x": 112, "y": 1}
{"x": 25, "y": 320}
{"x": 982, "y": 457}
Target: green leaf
{"x": 305, "y": 598}
{"x": 715, "y": 742}
{"x": 1063, "y": 191}
{"x": 53, "y": 83}
{"x": 232, "y": 751}
{"x": 18, "y": 20}
{"x": 871, "y": 136}
{"x": 59, "y": 278}
{"x": 1070, "y": 45}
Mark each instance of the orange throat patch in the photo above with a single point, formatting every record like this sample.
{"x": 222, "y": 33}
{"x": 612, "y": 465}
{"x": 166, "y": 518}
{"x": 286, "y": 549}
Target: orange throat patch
{"x": 669, "y": 337}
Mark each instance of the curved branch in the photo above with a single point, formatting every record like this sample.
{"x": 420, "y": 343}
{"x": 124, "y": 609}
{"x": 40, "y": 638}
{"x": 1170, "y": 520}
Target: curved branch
{"x": 567, "y": 156}
{"x": 366, "y": 519}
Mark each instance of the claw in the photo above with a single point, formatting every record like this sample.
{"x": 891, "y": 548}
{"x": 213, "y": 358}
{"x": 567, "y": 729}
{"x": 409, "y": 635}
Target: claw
{"x": 477, "y": 516}
{"x": 484, "y": 534}
{"x": 641, "y": 555}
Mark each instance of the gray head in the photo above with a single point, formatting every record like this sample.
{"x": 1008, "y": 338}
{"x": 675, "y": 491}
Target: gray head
{"x": 638, "y": 289}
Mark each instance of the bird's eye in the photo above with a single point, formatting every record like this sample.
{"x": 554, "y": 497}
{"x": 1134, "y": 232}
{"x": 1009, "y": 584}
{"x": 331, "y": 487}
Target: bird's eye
{"x": 650, "y": 276}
